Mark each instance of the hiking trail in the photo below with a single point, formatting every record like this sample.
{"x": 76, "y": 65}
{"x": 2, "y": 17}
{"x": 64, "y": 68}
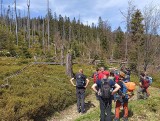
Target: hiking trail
{"x": 91, "y": 103}
{"x": 70, "y": 113}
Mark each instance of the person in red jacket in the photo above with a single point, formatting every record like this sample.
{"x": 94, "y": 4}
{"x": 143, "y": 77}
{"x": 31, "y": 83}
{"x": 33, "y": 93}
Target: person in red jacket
{"x": 95, "y": 75}
{"x": 102, "y": 73}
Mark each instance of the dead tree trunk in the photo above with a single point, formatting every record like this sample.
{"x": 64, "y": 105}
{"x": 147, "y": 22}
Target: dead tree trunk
{"x": 16, "y": 21}
{"x": 48, "y": 23}
{"x": 62, "y": 54}
{"x": 43, "y": 42}
{"x": 1, "y": 7}
{"x": 62, "y": 47}
{"x": 69, "y": 71}
{"x": 28, "y": 24}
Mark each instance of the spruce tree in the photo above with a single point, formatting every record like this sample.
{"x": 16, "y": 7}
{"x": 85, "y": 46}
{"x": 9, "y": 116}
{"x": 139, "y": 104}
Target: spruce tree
{"x": 137, "y": 40}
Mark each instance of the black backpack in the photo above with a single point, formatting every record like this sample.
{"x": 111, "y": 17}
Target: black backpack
{"x": 105, "y": 89}
{"x": 80, "y": 80}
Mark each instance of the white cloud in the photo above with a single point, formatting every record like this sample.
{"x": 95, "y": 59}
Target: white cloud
{"x": 89, "y": 10}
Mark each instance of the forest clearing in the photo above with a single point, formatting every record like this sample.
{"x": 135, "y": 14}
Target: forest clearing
{"x": 45, "y": 44}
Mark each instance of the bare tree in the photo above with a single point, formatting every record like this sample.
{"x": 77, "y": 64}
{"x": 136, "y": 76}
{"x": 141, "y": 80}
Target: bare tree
{"x": 43, "y": 40}
{"x": 1, "y": 7}
{"x": 48, "y": 20}
{"x": 69, "y": 70}
{"x": 62, "y": 47}
{"x": 127, "y": 16}
{"x": 15, "y": 8}
{"x": 24, "y": 26}
{"x": 12, "y": 12}
{"x": 33, "y": 30}
{"x": 152, "y": 24}
{"x": 28, "y": 23}
{"x": 8, "y": 16}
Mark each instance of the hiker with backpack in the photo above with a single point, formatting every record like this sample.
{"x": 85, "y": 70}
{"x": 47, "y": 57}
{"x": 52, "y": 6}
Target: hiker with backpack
{"x": 121, "y": 99}
{"x": 144, "y": 83}
{"x": 149, "y": 78}
{"x": 81, "y": 84}
{"x": 105, "y": 92}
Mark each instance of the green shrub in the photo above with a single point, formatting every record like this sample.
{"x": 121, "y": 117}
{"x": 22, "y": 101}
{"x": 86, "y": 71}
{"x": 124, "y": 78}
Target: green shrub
{"x": 37, "y": 92}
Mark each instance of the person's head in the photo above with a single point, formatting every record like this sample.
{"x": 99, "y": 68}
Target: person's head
{"x": 97, "y": 69}
{"x": 142, "y": 74}
{"x": 121, "y": 75}
{"x": 102, "y": 68}
{"x": 112, "y": 73}
{"x": 81, "y": 70}
{"x": 146, "y": 74}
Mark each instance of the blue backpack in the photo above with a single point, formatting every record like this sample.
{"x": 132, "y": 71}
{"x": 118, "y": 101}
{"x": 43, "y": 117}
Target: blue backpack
{"x": 150, "y": 79}
{"x": 122, "y": 93}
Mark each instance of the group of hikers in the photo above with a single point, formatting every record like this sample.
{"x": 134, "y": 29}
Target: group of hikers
{"x": 109, "y": 86}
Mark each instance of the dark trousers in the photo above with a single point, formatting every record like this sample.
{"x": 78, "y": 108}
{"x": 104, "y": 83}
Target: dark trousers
{"x": 105, "y": 110}
{"x": 80, "y": 99}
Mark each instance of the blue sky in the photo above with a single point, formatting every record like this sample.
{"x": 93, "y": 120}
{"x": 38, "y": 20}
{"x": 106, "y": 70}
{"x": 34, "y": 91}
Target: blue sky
{"x": 88, "y": 10}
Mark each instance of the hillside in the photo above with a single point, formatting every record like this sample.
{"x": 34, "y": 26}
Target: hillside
{"x": 36, "y": 52}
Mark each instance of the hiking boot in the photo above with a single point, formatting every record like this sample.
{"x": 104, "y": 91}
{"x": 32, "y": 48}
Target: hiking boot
{"x": 79, "y": 110}
{"x": 83, "y": 111}
{"x": 116, "y": 119}
{"x": 125, "y": 118}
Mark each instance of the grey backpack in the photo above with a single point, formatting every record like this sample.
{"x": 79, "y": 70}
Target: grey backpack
{"x": 80, "y": 80}
{"x": 105, "y": 89}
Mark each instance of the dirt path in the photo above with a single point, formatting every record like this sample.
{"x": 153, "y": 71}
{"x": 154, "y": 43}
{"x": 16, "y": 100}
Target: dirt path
{"x": 70, "y": 114}
{"x": 92, "y": 103}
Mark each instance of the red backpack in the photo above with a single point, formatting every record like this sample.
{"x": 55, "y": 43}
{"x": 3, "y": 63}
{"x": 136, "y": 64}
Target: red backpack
{"x": 95, "y": 76}
{"x": 145, "y": 83}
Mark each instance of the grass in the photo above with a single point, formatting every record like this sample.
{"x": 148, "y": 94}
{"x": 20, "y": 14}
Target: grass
{"x": 139, "y": 110}
{"x": 91, "y": 116}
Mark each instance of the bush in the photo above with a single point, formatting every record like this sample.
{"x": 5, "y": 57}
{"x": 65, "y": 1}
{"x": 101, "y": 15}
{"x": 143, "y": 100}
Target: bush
{"x": 37, "y": 92}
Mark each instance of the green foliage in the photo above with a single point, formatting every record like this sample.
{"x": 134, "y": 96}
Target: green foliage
{"x": 76, "y": 50}
{"x": 137, "y": 28}
{"x": 37, "y": 92}
{"x": 119, "y": 47}
{"x": 91, "y": 116}
{"x": 156, "y": 78}
{"x": 137, "y": 38}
